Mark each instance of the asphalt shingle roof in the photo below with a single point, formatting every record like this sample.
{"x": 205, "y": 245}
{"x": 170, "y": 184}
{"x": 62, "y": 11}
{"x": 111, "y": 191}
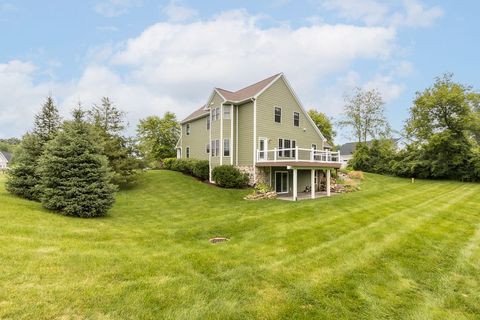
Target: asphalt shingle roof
{"x": 7, "y": 155}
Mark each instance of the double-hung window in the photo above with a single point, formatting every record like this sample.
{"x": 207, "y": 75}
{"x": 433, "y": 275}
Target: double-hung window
{"x": 294, "y": 144}
{"x": 207, "y": 148}
{"x": 296, "y": 119}
{"x": 280, "y": 147}
{"x": 188, "y": 129}
{"x": 226, "y": 112}
{"x": 226, "y": 148}
{"x": 208, "y": 122}
{"x": 278, "y": 115}
{"x": 187, "y": 152}
{"x": 217, "y": 113}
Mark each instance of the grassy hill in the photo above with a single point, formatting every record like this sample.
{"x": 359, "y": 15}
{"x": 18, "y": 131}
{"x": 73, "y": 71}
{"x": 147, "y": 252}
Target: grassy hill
{"x": 393, "y": 250}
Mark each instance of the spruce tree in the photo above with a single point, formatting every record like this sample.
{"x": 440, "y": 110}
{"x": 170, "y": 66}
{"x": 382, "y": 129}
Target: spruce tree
{"x": 75, "y": 178}
{"x": 23, "y": 179}
{"x": 120, "y": 151}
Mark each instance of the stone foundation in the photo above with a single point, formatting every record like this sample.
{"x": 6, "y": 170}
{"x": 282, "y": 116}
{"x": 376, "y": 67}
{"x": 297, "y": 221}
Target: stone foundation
{"x": 263, "y": 174}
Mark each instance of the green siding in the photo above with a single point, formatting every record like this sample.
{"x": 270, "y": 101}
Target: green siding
{"x": 279, "y": 95}
{"x": 216, "y": 101}
{"x": 196, "y": 140}
{"x": 245, "y": 134}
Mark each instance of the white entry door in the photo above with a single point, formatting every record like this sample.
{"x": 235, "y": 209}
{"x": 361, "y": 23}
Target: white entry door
{"x": 262, "y": 149}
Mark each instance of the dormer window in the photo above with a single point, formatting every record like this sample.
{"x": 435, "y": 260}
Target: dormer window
{"x": 278, "y": 115}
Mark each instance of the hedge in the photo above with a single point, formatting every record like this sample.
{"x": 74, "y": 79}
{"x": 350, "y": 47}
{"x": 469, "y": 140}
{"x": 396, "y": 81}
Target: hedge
{"x": 192, "y": 167}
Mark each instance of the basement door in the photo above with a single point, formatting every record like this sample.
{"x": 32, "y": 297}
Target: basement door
{"x": 281, "y": 181}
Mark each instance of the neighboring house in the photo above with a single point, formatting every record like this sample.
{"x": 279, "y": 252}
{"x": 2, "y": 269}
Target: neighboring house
{"x": 264, "y": 131}
{"x": 5, "y": 158}
{"x": 348, "y": 149}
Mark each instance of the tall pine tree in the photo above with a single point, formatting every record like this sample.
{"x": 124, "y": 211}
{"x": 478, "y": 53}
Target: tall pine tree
{"x": 75, "y": 179}
{"x": 23, "y": 179}
{"x": 120, "y": 151}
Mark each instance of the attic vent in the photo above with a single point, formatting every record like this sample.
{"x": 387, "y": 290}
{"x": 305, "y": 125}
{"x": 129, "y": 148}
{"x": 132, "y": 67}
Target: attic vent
{"x": 218, "y": 239}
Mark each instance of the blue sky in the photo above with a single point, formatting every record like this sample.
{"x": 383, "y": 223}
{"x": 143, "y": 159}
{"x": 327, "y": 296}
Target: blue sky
{"x": 153, "y": 56}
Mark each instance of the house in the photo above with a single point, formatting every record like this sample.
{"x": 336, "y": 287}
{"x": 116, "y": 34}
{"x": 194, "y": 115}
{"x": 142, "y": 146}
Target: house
{"x": 264, "y": 131}
{"x": 5, "y": 158}
{"x": 348, "y": 149}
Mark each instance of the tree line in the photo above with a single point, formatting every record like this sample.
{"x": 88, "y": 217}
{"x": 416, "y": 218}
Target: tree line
{"x": 75, "y": 166}
{"x": 441, "y": 135}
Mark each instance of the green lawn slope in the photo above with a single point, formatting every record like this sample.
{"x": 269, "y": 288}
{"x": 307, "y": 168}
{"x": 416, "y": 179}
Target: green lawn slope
{"x": 392, "y": 250}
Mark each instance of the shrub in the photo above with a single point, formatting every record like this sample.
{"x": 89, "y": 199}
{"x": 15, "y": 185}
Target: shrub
{"x": 262, "y": 188}
{"x": 228, "y": 176}
{"x": 192, "y": 167}
{"x": 355, "y": 175}
{"x": 201, "y": 169}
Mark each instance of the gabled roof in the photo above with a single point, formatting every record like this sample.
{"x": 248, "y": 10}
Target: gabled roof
{"x": 237, "y": 96}
{"x": 199, "y": 113}
{"x": 350, "y": 147}
{"x": 7, "y": 155}
{"x": 247, "y": 92}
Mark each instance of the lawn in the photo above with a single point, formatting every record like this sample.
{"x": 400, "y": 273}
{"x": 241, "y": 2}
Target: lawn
{"x": 392, "y": 250}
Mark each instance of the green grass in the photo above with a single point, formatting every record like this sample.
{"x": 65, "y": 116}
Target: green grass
{"x": 392, "y": 250}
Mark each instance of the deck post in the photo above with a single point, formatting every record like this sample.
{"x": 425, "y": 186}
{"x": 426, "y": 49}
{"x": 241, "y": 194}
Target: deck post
{"x": 328, "y": 182}
{"x": 312, "y": 182}
{"x": 274, "y": 155}
{"x": 294, "y": 184}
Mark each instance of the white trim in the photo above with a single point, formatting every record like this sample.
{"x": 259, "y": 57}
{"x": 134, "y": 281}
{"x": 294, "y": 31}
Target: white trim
{"x": 265, "y": 151}
{"x": 268, "y": 85}
{"x": 295, "y": 184}
{"x": 231, "y": 134}
{"x": 288, "y": 182}
{"x": 221, "y": 133}
{"x": 210, "y": 154}
{"x": 254, "y": 140}
{"x": 236, "y": 142}
{"x": 193, "y": 119}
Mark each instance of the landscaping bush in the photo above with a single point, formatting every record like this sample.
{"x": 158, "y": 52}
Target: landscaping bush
{"x": 192, "y": 167}
{"x": 227, "y": 176}
{"x": 201, "y": 169}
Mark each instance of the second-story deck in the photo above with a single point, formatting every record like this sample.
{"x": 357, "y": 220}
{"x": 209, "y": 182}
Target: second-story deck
{"x": 298, "y": 157}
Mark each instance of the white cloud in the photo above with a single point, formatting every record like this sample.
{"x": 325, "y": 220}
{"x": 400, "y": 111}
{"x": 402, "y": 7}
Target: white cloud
{"x": 177, "y": 12}
{"x": 114, "y": 8}
{"x": 174, "y": 66}
{"x": 405, "y": 13}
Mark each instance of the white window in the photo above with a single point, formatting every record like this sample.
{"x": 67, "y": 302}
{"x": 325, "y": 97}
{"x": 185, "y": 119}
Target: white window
{"x": 226, "y": 148}
{"x": 280, "y": 146}
{"x": 226, "y": 112}
{"x": 207, "y": 148}
{"x": 278, "y": 115}
{"x": 296, "y": 119}
{"x": 187, "y": 152}
{"x": 314, "y": 146}
{"x": 286, "y": 145}
{"x": 188, "y": 129}
{"x": 215, "y": 114}
{"x": 294, "y": 144}
{"x": 208, "y": 122}
{"x": 215, "y": 148}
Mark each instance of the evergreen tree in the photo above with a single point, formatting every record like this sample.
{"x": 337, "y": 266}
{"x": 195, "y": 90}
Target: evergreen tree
{"x": 75, "y": 179}
{"x": 120, "y": 151}
{"x": 23, "y": 179}
{"x": 48, "y": 121}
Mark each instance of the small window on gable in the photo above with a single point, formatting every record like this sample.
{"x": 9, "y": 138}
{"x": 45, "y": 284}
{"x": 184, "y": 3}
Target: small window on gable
{"x": 226, "y": 112}
{"x": 278, "y": 114}
{"x": 187, "y": 152}
{"x": 188, "y": 129}
{"x": 296, "y": 119}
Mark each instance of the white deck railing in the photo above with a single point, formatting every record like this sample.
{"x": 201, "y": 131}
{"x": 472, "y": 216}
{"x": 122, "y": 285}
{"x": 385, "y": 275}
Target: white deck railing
{"x": 298, "y": 155}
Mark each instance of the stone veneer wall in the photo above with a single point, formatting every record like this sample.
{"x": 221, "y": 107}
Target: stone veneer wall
{"x": 263, "y": 174}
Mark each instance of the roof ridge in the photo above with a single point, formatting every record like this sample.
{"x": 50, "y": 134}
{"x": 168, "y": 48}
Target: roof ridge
{"x": 254, "y": 84}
